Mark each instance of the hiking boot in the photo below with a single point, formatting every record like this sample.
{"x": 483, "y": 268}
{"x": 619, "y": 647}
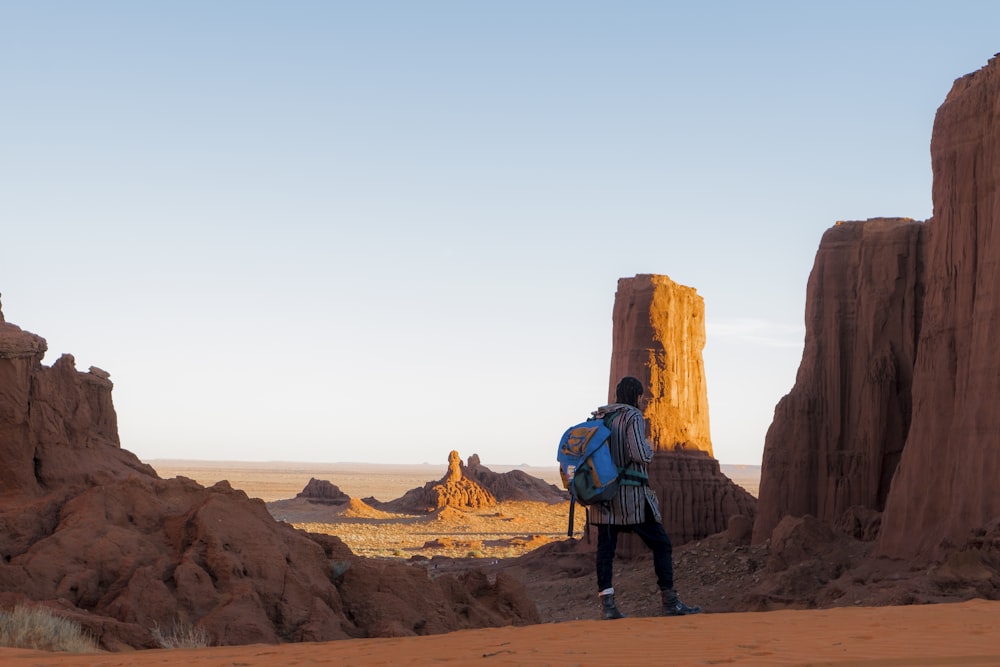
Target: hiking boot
{"x": 608, "y": 609}
{"x": 672, "y": 606}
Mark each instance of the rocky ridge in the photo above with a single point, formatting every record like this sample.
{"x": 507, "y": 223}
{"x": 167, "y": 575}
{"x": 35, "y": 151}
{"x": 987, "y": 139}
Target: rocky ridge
{"x": 95, "y": 534}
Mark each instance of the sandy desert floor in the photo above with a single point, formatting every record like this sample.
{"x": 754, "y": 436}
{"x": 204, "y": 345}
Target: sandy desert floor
{"x": 954, "y": 634}
{"x": 966, "y": 633}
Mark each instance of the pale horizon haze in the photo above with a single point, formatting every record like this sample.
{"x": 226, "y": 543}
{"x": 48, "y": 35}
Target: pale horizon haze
{"x": 381, "y": 231}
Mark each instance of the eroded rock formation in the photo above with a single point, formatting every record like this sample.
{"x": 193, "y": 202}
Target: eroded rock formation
{"x": 899, "y": 378}
{"x": 455, "y": 489}
{"x": 94, "y": 533}
{"x": 696, "y": 498}
{"x": 58, "y": 428}
{"x": 946, "y": 484}
{"x": 323, "y": 492}
{"x": 513, "y": 485}
{"x": 658, "y": 337}
{"x": 837, "y": 436}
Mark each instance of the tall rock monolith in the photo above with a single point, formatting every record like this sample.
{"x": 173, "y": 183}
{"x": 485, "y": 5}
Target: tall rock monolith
{"x": 946, "y": 484}
{"x": 658, "y": 335}
{"x": 837, "y": 437}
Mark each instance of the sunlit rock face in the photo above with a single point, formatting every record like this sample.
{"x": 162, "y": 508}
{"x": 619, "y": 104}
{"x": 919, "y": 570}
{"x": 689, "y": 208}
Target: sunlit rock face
{"x": 658, "y": 337}
{"x": 947, "y": 481}
{"x": 836, "y": 438}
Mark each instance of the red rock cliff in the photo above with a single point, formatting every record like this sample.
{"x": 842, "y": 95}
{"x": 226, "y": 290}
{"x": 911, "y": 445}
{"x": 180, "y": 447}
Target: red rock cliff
{"x": 58, "y": 427}
{"x": 837, "y": 436}
{"x": 946, "y": 484}
{"x": 863, "y": 387}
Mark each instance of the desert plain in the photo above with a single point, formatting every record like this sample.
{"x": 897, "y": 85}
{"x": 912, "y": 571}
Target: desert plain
{"x": 965, "y": 633}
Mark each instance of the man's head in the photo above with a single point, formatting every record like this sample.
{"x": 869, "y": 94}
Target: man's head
{"x": 628, "y": 391}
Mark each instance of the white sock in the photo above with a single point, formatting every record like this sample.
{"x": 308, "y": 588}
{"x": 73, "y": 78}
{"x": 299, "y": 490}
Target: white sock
{"x": 606, "y": 591}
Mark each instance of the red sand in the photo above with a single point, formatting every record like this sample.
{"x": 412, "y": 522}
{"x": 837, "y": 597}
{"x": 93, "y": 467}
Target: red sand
{"x": 967, "y": 633}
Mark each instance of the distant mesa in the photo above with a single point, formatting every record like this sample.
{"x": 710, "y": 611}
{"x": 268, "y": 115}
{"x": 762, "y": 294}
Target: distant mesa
{"x": 323, "y": 492}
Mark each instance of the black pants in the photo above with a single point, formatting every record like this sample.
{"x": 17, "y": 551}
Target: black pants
{"x": 653, "y": 535}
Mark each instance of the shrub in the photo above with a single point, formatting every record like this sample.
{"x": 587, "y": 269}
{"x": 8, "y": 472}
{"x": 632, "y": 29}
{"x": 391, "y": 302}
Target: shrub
{"x": 180, "y": 636}
{"x": 339, "y": 567}
{"x": 39, "y": 628}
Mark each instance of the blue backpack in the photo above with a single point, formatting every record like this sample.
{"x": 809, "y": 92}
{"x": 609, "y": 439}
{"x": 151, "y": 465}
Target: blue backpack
{"x": 585, "y": 462}
{"x": 587, "y": 468}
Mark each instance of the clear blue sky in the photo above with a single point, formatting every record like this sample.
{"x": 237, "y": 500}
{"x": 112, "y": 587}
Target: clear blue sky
{"x": 378, "y": 231}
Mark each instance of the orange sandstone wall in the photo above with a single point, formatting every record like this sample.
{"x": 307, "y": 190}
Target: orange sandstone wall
{"x": 658, "y": 337}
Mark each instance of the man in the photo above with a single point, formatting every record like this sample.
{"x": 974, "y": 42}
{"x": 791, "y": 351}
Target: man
{"x": 635, "y": 508}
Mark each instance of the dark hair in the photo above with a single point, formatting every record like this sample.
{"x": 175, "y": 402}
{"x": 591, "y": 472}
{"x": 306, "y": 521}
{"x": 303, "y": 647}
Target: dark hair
{"x": 628, "y": 391}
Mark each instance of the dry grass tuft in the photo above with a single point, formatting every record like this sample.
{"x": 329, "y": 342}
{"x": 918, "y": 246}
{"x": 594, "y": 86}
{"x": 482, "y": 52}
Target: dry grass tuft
{"x": 40, "y": 628}
{"x": 181, "y": 636}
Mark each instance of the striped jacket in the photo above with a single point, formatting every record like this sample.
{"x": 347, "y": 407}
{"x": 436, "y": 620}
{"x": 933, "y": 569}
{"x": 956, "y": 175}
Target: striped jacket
{"x": 629, "y": 449}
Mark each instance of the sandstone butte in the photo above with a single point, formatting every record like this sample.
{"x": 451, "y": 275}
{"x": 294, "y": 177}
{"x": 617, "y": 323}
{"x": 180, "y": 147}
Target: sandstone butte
{"x": 94, "y": 533}
{"x": 658, "y": 335}
{"x": 894, "y": 412}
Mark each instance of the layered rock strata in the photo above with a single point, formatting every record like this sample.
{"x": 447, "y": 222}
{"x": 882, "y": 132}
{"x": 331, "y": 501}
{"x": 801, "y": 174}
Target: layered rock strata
{"x": 696, "y": 498}
{"x": 837, "y": 437}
